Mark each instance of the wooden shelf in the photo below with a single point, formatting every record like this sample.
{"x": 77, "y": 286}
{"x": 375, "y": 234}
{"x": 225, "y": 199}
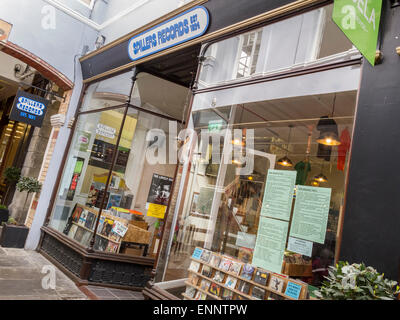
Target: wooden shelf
{"x": 267, "y": 289}
{"x": 203, "y": 291}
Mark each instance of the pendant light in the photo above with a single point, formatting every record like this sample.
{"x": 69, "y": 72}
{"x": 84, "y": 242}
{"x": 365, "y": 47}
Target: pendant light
{"x": 321, "y": 177}
{"x": 285, "y": 161}
{"x": 329, "y": 137}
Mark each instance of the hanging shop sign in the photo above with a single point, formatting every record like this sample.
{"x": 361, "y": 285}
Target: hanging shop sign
{"x": 184, "y": 27}
{"x": 29, "y": 108}
{"x": 359, "y": 20}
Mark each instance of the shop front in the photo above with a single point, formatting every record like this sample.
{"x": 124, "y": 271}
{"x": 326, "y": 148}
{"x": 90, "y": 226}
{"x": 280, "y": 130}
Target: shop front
{"x": 253, "y": 192}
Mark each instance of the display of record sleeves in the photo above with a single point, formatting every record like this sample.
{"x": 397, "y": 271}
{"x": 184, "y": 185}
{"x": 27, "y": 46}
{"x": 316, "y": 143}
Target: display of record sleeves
{"x": 197, "y": 253}
{"x": 276, "y": 283}
{"x": 244, "y": 286}
{"x": 219, "y": 276}
{"x": 207, "y": 271}
{"x": 82, "y": 218}
{"x": 235, "y": 268}
{"x": 258, "y": 293}
{"x": 247, "y": 271}
{"x": 225, "y": 264}
{"x": 215, "y": 289}
{"x": 261, "y": 277}
{"x": 77, "y": 213}
{"x": 193, "y": 279}
{"x": 190, "y": 292}
{"x": 194, "y": 266}
{"x": 206, "y": 255}
{"x": 274, "y": 296}
{"x": 204, "y": 284}
{"x": 90, "y": 220}
{"x": 200, "y": 296}
{"x": 227, "y": 295}
{"x": 215, "y": 260}
{"x": 231, "y": 282}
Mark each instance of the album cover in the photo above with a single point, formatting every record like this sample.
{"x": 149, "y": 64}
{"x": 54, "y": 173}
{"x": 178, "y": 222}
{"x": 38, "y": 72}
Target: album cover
{"x": 204, "y": 284}
{"x": 112, "y": 247}
{"x": 235, "y": 268}
{"x": 79, "y": 234}
{"x": 193, "y": 279}
{"x": 225, "y": 264}
{"x": 90, "y": 220}
{"x": 72, "y": 231}
{"x": 247, "y": 271}
{"x": 258, "y": 293}
{"x": 194, "y": 266}
{"x": 274, "y": 296}
{"x": 207, "y": 271}
{"x": 276, "y": 283}
{"x": 82, "y": 218}
{"x": 231, "y": 282}
{"x": 215, "y": 260}
{"x": 77, "y": 214}
{"x": 215, "y": 289}
{"x": 102, "y": 244}
{"x": 219, "y": 276}
{"x": 261, "y": 277}
{"x": 239, "y": 297}
{"x": 198, "y": 296}
{"x": 205, "y": 256}
{"x": 107, "y": 227}
{"x": 197, "y": 253}
{"x": 227, "y": 294}
{"x": 244, "y": 286}
{"x": 190, "y": 291}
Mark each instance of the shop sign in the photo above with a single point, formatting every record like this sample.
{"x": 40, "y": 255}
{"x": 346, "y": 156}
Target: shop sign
{"x": 359, "y": 20}
{"x": 105, "y": 131}
{"x": 29, "y": 108}
{"x": 184, "y": 27}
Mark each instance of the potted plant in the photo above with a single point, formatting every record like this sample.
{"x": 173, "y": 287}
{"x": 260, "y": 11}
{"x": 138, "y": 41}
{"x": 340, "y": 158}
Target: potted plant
{"x": 13, "y": 235}
{"x": 28, "y": 185}
{"x": 11, "y": 175}
{"x": 356, "y": 282}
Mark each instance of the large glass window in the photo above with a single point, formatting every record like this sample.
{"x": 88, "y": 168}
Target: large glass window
{"x": 297, "y": 42}
{"x": 117, "y": 180}
{"x": 222, "y": 207}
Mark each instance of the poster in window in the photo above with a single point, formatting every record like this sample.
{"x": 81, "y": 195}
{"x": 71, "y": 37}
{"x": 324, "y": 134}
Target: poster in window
{"x": 160, "y": 190}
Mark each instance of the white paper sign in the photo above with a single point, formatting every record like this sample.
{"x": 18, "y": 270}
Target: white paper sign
{"x": 301, "y": 246}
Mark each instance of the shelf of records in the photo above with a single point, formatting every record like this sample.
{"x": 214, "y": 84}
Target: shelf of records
{"x": 110, "y": 231}
{"x": 213, "y": 276}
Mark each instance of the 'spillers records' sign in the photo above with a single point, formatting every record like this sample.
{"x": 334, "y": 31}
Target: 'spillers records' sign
{"x": 184, "y": 27}
{"x": 29, "y": 108}
{"x": 359, "y": 20}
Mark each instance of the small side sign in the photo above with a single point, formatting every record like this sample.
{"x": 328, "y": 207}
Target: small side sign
{"x": 29, "y": 108}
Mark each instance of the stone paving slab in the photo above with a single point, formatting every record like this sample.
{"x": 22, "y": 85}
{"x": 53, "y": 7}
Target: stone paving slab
{"x": 21, "y": 278}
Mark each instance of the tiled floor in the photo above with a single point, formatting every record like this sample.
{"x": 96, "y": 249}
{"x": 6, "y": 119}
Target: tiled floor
{"x": 105, "y": 293}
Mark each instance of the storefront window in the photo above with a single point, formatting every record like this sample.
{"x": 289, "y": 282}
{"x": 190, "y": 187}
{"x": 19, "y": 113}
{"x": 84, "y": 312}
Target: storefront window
{"x": 222, "y": 209}
{"x": 117, "y": 181}
{"x": 296, "y": 42}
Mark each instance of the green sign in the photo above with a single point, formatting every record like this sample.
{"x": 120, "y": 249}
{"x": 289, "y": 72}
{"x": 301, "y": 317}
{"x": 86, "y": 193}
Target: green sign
{"x": 270, "y": 244}
{"x": 359, "y": 20}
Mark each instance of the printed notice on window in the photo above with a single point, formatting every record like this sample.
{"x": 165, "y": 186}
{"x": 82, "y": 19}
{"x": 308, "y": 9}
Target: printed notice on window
{"x": 270, "y": 244}
{"x": 278, "y": 194}
{"x": 310, "y": 215}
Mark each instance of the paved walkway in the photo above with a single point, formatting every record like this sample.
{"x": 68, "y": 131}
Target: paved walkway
{"x": 21, "y": 278}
